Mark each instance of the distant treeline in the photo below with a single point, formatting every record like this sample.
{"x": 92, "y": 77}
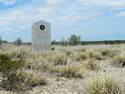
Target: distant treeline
{"x": 91, "y": 42}
{"x": 103, "y": 42}
{"x": 72, "y": 40}
{"x": 81, "y": 42}
{"x": 76, "y": 40}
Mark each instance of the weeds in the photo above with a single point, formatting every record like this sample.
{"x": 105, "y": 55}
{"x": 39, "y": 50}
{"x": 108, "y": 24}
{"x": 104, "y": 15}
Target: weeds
{"x": 60, "y": 59}
{"x": 103, "y": 85}
{"x": 119, "y": 60}
{"x": 69, "y": 71}
{"x": 91, "y": 64}
{"x": 89, "y": 54}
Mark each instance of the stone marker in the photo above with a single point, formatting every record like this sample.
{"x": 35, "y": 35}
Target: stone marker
{"x": 41, "y": 36}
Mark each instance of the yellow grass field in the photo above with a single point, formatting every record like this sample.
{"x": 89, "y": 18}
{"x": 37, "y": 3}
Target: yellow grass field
{"x": 87, "y": 69}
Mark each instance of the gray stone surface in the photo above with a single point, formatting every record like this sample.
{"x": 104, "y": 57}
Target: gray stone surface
{"x": 41, "y": 36}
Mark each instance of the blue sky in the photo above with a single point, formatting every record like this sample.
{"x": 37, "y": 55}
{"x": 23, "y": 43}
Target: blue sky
{"x": 91, "y": 19}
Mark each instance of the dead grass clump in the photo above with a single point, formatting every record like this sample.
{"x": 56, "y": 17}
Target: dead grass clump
{"x": 26, "y": 80}
{"x": 91, "y": 64}
{"x": 82, "y": 56}
{"x": 103, "y": 85}
{"x": 37, "y": 62}
{"x": 68, "y": 52}
{"x": 119, "y": 60}
{"x": 39, "y": 66}
{"x": 90, "y": 54}
{"x": 20, "y": 52}
{"x": 94, "y": 54}
{"x": 32, "y": 79}
{"x": 109, "y": 52}
{"x": 60, "y": 59}
{"x": 69, "y": 71}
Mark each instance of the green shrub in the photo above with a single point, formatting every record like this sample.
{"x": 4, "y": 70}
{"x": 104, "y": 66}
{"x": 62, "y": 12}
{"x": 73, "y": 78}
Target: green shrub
{"x": 103, "y": 85}
{"x": 8, "y": 68}
{"x": 69, "y": 71}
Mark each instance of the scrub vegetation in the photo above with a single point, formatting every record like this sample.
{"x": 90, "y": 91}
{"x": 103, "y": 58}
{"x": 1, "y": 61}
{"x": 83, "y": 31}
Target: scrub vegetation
{"x": 65, "y": 70}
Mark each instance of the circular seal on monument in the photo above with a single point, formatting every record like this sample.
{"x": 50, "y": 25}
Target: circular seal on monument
{"x": 42, "y": 27}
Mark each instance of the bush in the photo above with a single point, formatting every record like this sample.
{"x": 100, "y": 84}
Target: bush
{"x": 13, "y": 78}
{"x": 103, "y": 85}
{"x": 8, "y": 68}
{"x": 69, "y": 71}
{"x": 119, "y": 60}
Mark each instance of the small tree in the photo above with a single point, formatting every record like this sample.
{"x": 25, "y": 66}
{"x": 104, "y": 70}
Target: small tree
{"x": 1, "y": 42}
{"x": 74, "y": 39}
{"x": 18, "y": 42}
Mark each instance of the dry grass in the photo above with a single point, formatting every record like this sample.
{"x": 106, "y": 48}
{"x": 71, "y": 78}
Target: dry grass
{"x": 31, "y": 78}
{"x": 40, "y": 69}
{"x": 103, "y": 85}
{"x": 119, "y": 60}
{"x": 91, "y": 64}
{"x": 83, "y": 55}
{"x": 59, "y": 59}
{"x": 69, "y": 71}
{"x": 109, "y": 52}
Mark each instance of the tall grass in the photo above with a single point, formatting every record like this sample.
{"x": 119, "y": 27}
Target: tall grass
{"x": 59, "y": 58}
{"x": 91, "y": 64}
{"x": 83, "y": 55}
{"x": 69, "y": 71}
{"x": 119, "y": 60}
{"x": 103, "y": 85}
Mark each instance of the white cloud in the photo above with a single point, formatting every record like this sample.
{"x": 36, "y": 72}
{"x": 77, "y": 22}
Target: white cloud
{"x": 3, "y": 23}
{"x": 79, "y": 14}
{"x": 94, "y": 2}
{"x": 121, "y": 14}
{"x": 79, "y": 11}
{"x": 55, "y": 2}
{"x": 73, "y": 18}
{"x": 17, "y": 13}
{"x": 104, "y": 3}
{"x": 8, "y": 2}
